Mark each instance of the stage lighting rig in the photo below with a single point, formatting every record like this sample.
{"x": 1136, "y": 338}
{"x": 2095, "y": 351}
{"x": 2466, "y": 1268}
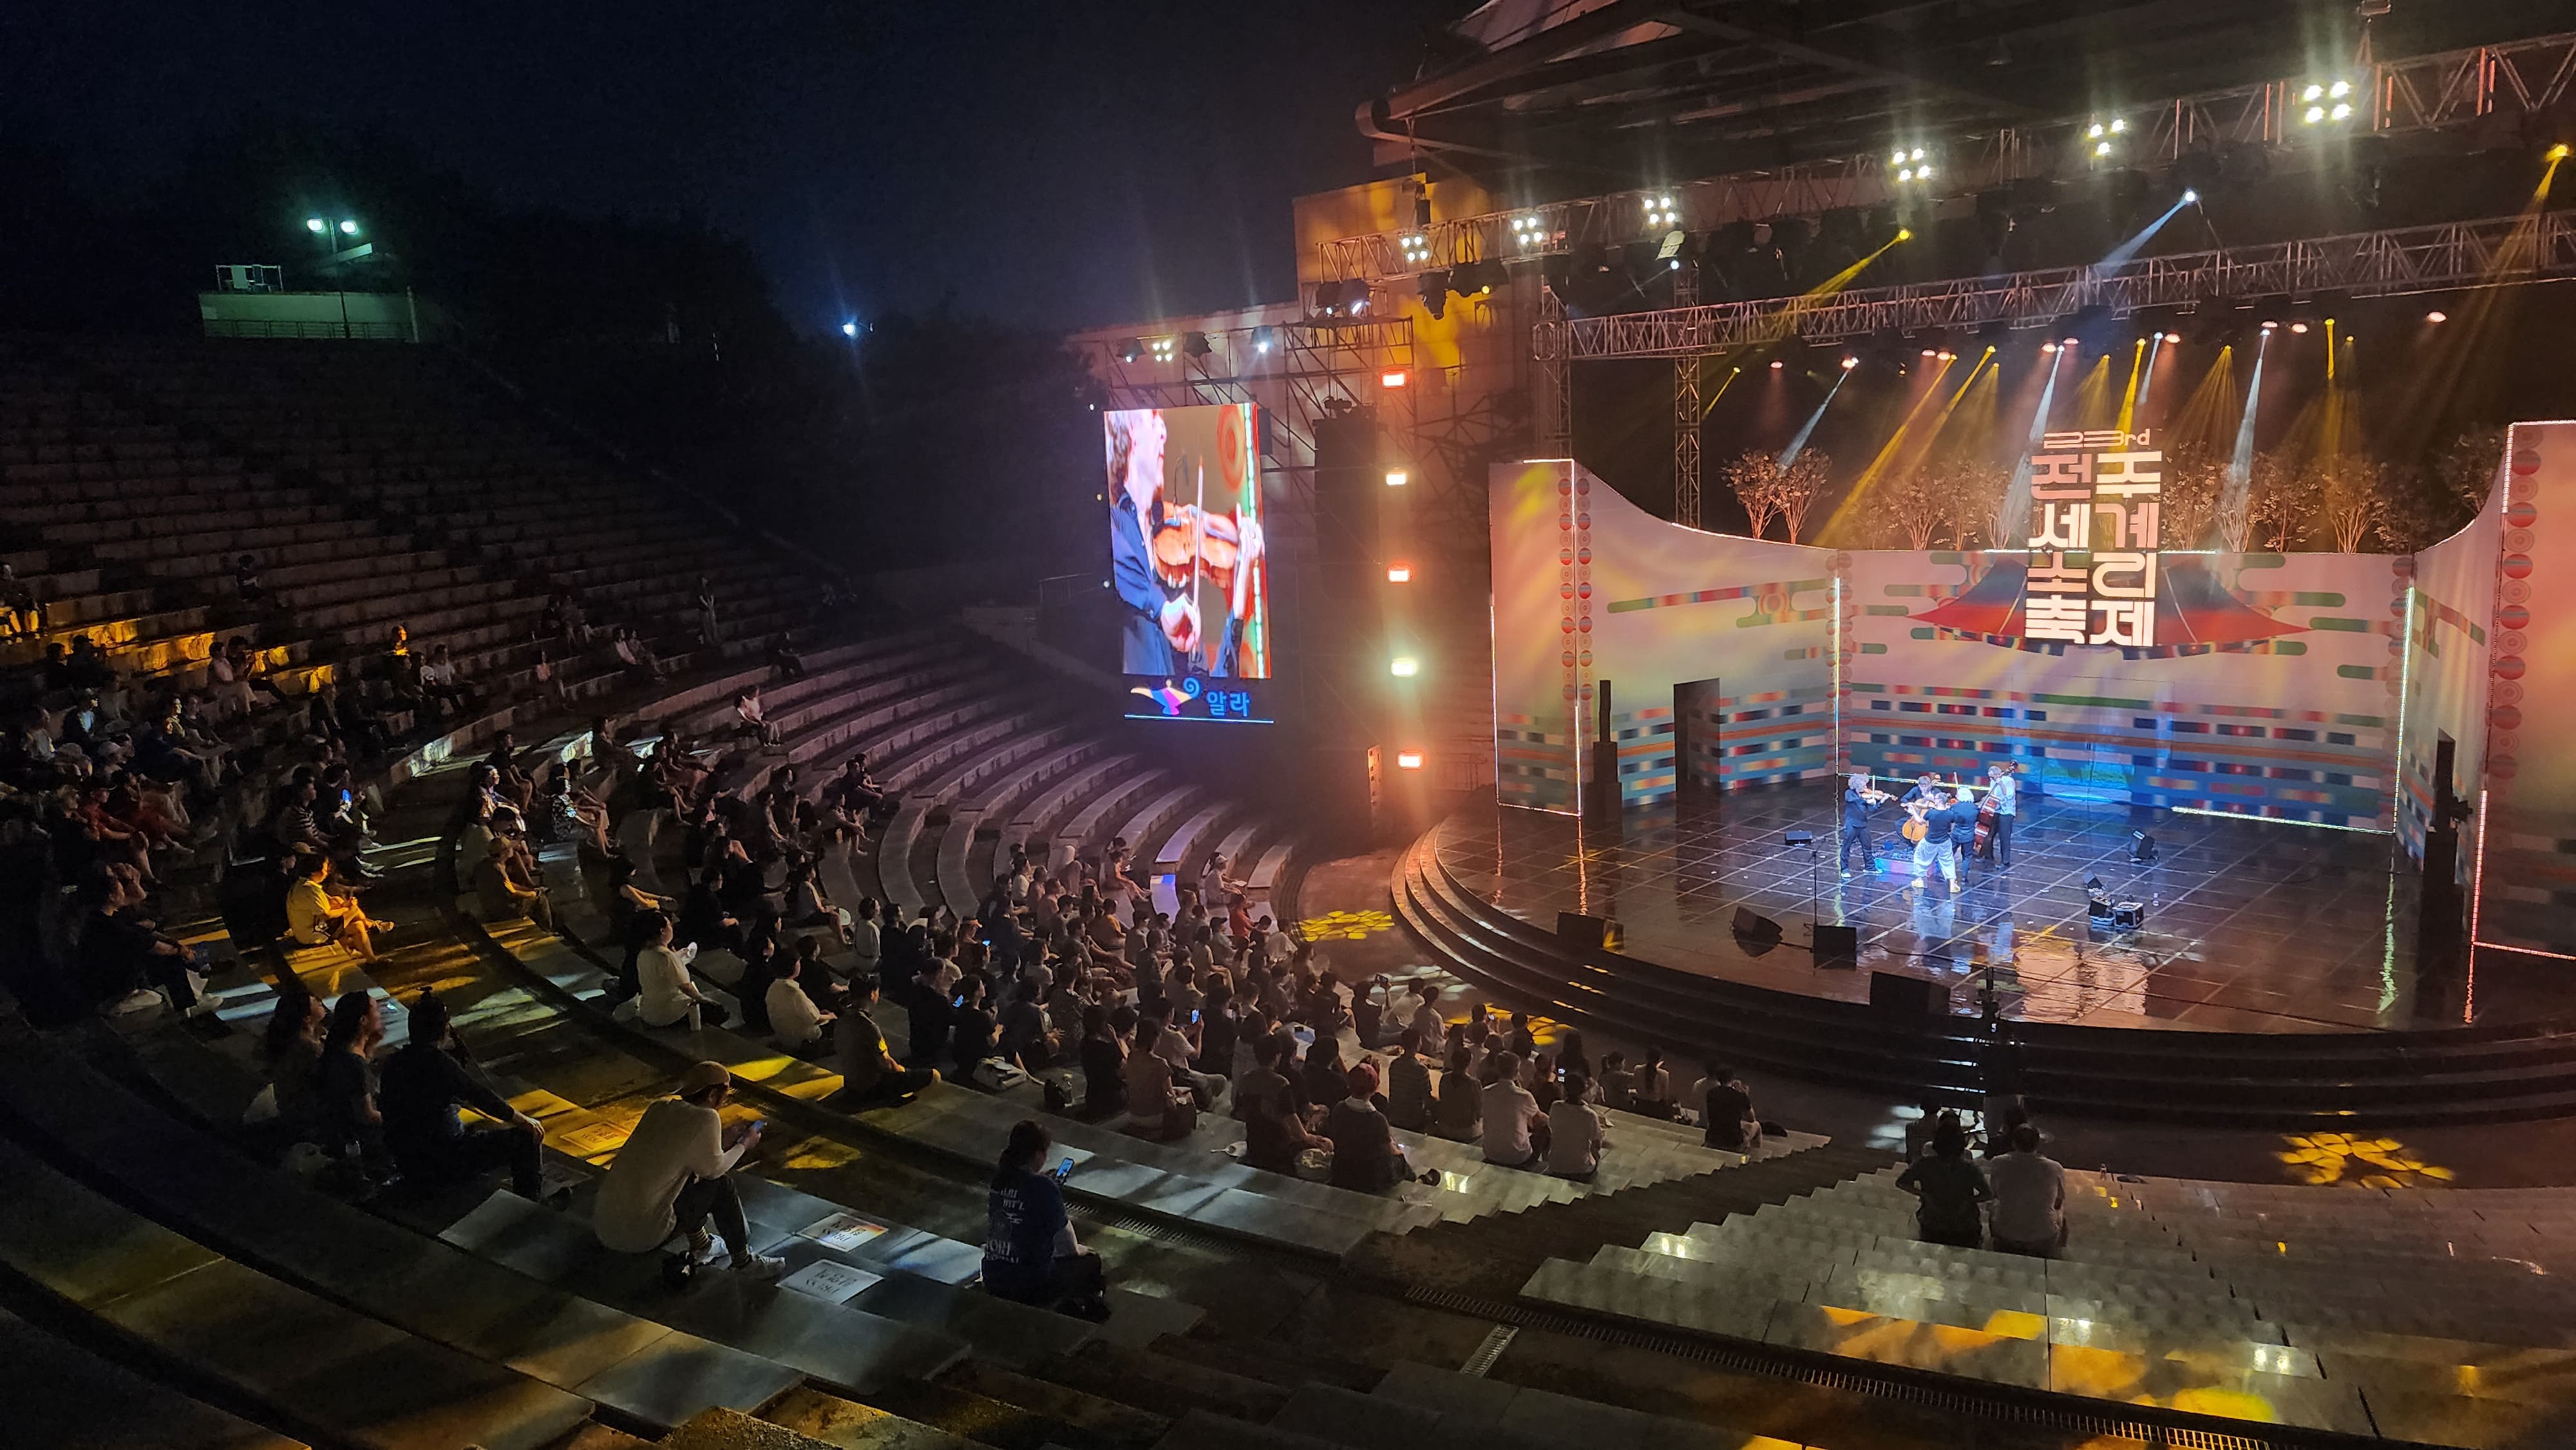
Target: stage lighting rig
{"x": 1434, "y": 288}
{"x": 1661, "y": 215}
{"x": 2103, "y": 137}
{"x": 1264, "y": 339}
{"x": 1417, "y": 248}
{"x": 1528, "y": 234}
{"x": 2325, "y": 101}
{"x": 1194, "y": 344}
{"x": 1476, "y": 279}
{"x": 1163, "y": 348}
{"x": 1849, "y": 363}
{"x": 1129, "y": 349}
{"x": 1911, "y": 164}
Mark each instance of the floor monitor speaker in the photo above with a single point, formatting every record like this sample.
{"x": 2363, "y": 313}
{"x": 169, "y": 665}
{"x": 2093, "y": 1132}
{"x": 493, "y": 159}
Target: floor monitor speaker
{"x": 1837, "y": 946}
{"x": 1909, "y": 996}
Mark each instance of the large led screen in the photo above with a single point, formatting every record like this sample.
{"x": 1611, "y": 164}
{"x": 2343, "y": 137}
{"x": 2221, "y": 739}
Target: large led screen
{"x": 1189, "y": 564}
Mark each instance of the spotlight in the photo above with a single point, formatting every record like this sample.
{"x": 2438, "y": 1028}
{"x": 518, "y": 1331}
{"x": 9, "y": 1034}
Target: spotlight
{"x": 1946, "y": 355}
{"x": 1395, "y": 478}
{"x": 2189, "y": 196}
{"x": 348, "y": 229}
{"x": 1476, "y": 279}
{"x": 1404, "y": 667}
{"x": 849, "y": 329}
{"x": 1264, "y": 339}
{"x": 2269, "y": 326}
{"x": 2299, "y": 327}
{"x": 2048, "y": 347}
{"x": 316, "y": 225}
{"x": 2068, "y": 341}
{"x": 2342, "y": 111}
{"x": 2118, "y": 126}
{"x": 1931, "y": 352}
{"x": 1849, "y": 363}
{"x": 1164, "y": 347}
{"x": 2313, "y": 115}
{"x": 1918, "y": 153}
{"x": 2555, "y": 153}
{"x": 2437, "y": 316}
{"x": 1391, "y": 378}
{"x": 1661, "y": 215}
{"x": 1905, "y": 234}
{"x": 1434, "y": 288}
{"x": 2339, "y": 90}
{"x": 2101, "y": 148}
{"x": 1417, "y": 248}
{"x": 1399, "y": 573}
{"x": 1129, "y": 349}
{"x": 1527, "y": 233}
{"x": 2095, "y": 133}
{"x": 1408, "y": 760}
{"x": 1777, "y": 365}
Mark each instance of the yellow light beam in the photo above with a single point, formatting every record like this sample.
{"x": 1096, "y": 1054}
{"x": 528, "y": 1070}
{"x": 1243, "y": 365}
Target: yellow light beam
{"x": 2129, "y": 398}
{"x": 1897, "y": 445}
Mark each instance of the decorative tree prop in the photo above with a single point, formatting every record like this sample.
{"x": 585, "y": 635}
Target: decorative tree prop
{"x": 1755, "y": 477}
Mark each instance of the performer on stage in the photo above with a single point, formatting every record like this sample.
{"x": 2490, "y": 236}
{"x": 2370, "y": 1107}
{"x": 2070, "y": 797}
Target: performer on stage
{"x": 1930, "y": 808}
{"x": 2005, "y": 792}
{"x": 1859, "y": 799}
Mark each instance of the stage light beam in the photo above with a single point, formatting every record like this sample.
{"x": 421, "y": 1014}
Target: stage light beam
{"x": 1404, "y": 667}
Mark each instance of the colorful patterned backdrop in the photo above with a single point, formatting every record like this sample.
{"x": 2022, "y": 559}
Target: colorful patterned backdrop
{"x": 2526, "y": 839}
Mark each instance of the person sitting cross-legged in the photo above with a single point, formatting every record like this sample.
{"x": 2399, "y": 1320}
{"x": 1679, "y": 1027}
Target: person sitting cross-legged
{"x": 1947, "y": 1187}
{"x": 671, "y": 1177}
{"x": 794, "y": 1020}
{"x": 1030, "y": 1253}
{"x": 869, "y": 1073}
{"x": 1365, "y": 1155}
{"x": 1575, "y": 1133}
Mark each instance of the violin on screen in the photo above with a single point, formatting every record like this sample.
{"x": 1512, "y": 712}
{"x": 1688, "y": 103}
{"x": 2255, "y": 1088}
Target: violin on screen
{"x": 1192, "y": 540}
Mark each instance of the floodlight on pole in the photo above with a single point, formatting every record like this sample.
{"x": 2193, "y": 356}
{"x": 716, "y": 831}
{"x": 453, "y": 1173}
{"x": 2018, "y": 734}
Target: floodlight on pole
{"x": 348, "y": 228}
{"x": 316, "y": 225}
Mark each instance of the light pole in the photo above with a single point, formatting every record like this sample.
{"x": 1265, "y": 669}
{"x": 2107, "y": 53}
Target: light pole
{"x": 328, "y": 233}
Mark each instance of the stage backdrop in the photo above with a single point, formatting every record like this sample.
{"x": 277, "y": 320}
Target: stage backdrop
{"x": 1729, "y": 639}
{"x": 2274, "y": 690}
{"x": 2525, "y": 834}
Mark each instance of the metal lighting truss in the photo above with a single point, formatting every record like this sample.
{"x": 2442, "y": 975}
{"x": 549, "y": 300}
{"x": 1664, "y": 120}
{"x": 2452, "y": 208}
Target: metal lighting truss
{"x": 2426, "y": 92}
{"x": 2492, "y": 251}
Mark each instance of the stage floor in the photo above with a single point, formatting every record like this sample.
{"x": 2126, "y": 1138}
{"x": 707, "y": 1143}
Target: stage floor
{"x": 2250, "y": 926}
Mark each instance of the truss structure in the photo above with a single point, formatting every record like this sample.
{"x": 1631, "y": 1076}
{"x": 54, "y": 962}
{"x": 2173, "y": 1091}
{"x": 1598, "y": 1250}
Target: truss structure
{"x": 2429, "y": 92}
{"x": 2493, "y": 251}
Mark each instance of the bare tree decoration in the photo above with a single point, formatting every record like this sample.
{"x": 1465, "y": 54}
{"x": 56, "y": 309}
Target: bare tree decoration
{"x": 1755, "y": 477}
{"x": 2350, "y": 492}
{"x": 2195, "y": 481}
{"x": 2417, "y": 511}
{"x": 2466, "y": 468}
{"x": 1972, "y": 493}
{"x": 2279, "y": 497}
{"x": 1800, "y": 484}
{"x": 1912, "y": 506}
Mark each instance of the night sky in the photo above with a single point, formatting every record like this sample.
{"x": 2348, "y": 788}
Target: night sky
{"x": 1063, "y": 165}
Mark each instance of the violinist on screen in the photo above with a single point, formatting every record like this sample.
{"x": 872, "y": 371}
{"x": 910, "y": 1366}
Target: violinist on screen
{"x": 1159, "y": 552}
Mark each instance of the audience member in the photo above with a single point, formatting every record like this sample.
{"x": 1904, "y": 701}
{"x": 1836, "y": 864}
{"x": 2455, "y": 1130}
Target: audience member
{"x": 869, "y": 1073}
{"x": 344, "y": 1085}
{"x": 424, "y": 1082}
{"x": 1726, "y": 1111}
{"x": 1515, "y": 1134}
{"x": 1030, "y": 1253}
{"x": 1947, "y": 1186}
{"x": 793, "y": 1018}
{"x": 665, "y": 992}
{"x": 671, "y": 1177}
{"x": 315, "y": 917}
{"x": 1274, "y": 1131}
{"x": 1408, "y": 1085}
{"x": 2030, "y": 1198}
{"x": 1461, "y": 1117}
{"x": 1575, "y": 1133}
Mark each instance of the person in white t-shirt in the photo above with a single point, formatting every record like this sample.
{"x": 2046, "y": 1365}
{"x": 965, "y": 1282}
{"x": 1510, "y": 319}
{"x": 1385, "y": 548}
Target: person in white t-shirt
{"x": 1428, "y": 1028}
{"x": 793, "y": 1017}
{"x": 670, "y": 1177}
{"x": 662, "y": 973}
{"x": 1515, "y": 1134}
{"x": 1575, "y": 1132}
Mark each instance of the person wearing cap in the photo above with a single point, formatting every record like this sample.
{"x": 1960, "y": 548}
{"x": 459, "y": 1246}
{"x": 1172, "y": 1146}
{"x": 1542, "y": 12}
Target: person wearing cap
{"x": 671, "y": 1177}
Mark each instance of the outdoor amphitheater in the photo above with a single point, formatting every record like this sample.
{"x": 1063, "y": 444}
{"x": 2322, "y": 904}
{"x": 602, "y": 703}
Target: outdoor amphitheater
{"x": 1837, "y": 738}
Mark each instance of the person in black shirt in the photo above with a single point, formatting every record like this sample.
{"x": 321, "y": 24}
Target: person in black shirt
{"x": 1948, "y": 1187}
{"x": 971, "y": 1027}
{"x": 1030, "y": 1253}
{"x": 1104, "y": 1066}
{"x": 1859, "y": 799}
{"x": 344, "y": 1086}
{"x": 424, "y": 1082}
{"x": 1724, "y": 1107}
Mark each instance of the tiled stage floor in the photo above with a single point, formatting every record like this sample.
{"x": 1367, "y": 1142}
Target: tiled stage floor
{"x": 2250, "y": 926}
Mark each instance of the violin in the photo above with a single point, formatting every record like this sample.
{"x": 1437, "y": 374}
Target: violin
{"x": 1192, "y": 540}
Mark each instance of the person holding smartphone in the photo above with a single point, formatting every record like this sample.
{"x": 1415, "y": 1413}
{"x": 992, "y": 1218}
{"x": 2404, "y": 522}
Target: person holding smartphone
{"x": 1030, "y": 1253}
{"x": 673, "y": 1175}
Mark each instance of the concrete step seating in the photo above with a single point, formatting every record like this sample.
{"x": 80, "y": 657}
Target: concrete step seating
{"x": 965, "y": 873}
{"x": 60, "y": 1393}
{"x": 334, "y": 1372}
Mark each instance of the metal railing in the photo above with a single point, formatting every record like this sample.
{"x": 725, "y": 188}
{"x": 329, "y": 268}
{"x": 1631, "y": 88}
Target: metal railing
{"x": 2363, "y": 264}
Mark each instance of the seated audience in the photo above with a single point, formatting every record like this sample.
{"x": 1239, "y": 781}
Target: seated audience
{"x": 424, "y": 1082}
{"x": 1104, "y": 1065}
{"x": 1365, "y": 1155}
{"x": 671, "y": 1177}
{"x": 1408, "y": 1085}
{"x": 793, "y": 1018}
{"x": 1515, "y": 1134}
{"x": 869, "y": 1073}
{"x": 1274, "y": 1131}
{"x": 665, "y": 990}
{"x": 1947, "y": 1186}
{"x": 1030, "y": 1253}
{"x": 1575, "y": 1133}
{"x": 1726, "y": 1111}
{"x": 2030, "y": 1198}
{"x": 1461, "y": 1114}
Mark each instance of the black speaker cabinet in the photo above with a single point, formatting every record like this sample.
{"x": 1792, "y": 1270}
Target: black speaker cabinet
{"x": 1754, "y": 926}
{"x": 1837, "y": 946}
{"x": 1588, "y": 933}
{"x": 1909, "y": 996}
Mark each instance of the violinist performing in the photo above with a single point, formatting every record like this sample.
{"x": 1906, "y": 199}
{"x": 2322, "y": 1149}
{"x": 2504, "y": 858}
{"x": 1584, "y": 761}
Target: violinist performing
{"x": 1859, "y": 799}
{"x": 1185, "y": 553}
